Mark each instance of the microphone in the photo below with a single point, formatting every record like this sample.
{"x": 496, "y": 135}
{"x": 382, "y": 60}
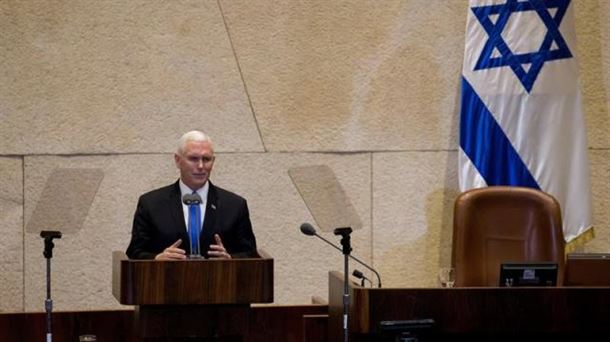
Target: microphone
{"x": 308, "y": 229}
{"x": 362, "y": 277}
{"x": 189, "y": 199}
{"x": 48, "y": 236}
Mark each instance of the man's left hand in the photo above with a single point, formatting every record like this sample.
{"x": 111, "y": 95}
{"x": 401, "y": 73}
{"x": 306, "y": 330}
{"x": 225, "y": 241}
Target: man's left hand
{"x": 218, "y": 251}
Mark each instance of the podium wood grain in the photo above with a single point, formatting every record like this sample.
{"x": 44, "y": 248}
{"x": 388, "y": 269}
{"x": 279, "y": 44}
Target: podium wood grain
{"x": 192, "y": 282}
{"x": 192, "y": 298}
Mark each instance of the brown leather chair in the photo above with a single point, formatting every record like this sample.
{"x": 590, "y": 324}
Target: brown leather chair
{"x": 504, "y": 224}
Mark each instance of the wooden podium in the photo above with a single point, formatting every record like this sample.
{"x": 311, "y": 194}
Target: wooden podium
{"x": 192, "y": 298}
{"x": 473, "y": 313}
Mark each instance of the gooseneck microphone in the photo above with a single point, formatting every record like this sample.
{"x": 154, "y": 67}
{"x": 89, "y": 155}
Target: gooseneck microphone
{"x": 308, "y": 229}
{"x": 362, "y": 277}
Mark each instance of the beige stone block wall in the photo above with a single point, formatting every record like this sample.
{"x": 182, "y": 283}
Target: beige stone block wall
{"x": 11, "y": 230}
{"x": 600, "y": 189}
{"x": 413, "y": 195}
{"x": 369, "y": 88}
{"x": 351, "y": 75}
{"x": 593, "y": 41}
{"x": 593, "y": 38}
{"x": 118, "y": 76}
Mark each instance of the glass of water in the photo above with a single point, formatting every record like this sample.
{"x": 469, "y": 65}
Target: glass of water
{"x": 446, "y": 276}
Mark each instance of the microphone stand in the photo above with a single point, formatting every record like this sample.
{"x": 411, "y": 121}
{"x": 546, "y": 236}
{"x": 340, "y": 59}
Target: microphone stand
{"x": 345, "y": 242}
{"x": 48, "y": 254}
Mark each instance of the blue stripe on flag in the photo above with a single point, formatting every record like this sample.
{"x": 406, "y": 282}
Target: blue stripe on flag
{"x": 489, "y": 149}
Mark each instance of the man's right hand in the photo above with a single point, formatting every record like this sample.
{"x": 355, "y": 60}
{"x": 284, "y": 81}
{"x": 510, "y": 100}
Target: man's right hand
{"x": 172, "y": 252}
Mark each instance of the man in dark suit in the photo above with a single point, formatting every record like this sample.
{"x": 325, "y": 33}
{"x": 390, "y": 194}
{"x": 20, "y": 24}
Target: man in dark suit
{"x": 160, "y": 221}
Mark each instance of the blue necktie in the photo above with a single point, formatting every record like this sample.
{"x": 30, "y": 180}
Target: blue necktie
{"x": 194, "y": 228}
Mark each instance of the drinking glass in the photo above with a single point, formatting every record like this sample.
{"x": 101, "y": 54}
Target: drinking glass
{"x": 446, "y": 276}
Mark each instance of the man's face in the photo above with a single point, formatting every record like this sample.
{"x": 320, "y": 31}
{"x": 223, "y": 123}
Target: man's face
{"x": 195, "y": 163}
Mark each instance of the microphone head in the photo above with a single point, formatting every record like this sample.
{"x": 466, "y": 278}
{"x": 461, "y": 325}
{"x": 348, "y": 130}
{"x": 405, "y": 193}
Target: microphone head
{"x": 308, "y": 229}
{"x": 189, "y": 199}
{"x": 358, "y": 274}
{"x": 50, "y": 234}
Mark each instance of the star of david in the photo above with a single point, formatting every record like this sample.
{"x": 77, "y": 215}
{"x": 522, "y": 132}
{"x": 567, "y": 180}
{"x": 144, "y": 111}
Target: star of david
{"x": 536, "y": 59}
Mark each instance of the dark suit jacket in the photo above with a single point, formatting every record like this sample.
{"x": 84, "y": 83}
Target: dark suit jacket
{"x": 159, "y": 222}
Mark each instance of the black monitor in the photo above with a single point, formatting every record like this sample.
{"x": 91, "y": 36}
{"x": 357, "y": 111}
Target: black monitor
{"x": 420, "y": 330}
{"x": 528, "y": 274}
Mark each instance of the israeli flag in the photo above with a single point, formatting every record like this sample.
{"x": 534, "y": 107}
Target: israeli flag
{"x": 522, "y": 122}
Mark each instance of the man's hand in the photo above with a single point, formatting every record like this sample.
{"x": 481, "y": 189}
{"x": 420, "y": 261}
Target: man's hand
{"x": 218, "y": 251}
{"x": 172, "y": 252}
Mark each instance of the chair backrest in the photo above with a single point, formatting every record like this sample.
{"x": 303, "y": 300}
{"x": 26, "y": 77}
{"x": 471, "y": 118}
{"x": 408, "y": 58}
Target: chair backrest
{"x": 500, "y": 224}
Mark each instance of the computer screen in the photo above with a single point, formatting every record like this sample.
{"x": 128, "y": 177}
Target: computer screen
{"x": 528, "y": 274}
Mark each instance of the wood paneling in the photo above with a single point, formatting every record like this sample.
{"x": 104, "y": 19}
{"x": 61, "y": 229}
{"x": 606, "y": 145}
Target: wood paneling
{"x": 235, "y": 281}
{"x": 267, "y": 324}
{"x": 588, "y": 269}
{"x": 526, "y": 312}
{"x": 67, "y": 326}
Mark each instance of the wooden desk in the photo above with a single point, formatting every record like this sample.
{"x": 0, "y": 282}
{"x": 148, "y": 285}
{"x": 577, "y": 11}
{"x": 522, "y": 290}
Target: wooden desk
{"x": 476, "y": 313}
{"x": 588, "y": 269}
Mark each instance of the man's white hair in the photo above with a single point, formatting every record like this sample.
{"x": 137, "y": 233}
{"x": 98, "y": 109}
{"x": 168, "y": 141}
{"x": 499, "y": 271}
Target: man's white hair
{"x": 191, "y": 136}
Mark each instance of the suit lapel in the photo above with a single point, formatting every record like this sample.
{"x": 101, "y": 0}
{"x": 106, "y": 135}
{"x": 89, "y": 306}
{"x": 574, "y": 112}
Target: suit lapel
{"x": 175, "y": 203}
{"x": 210, "y": 214}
